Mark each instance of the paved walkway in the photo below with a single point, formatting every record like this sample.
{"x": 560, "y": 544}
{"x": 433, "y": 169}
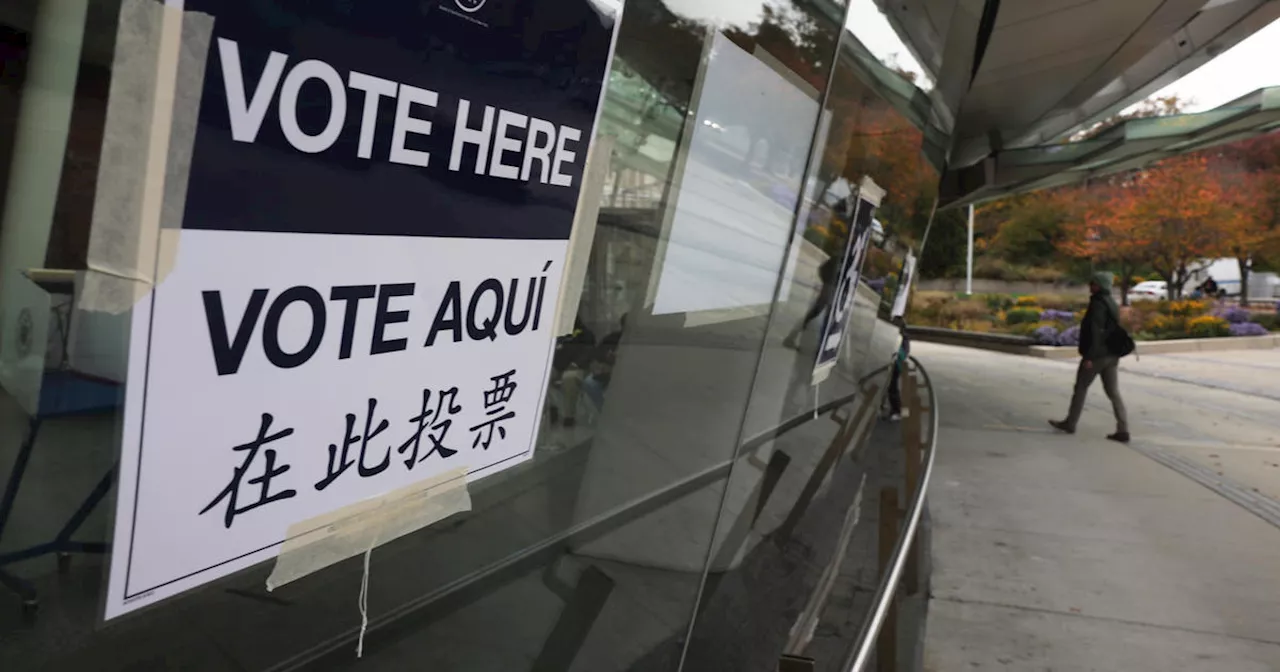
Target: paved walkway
{"x": 1071, "y": 553}
{"x": 1253, "y": 372}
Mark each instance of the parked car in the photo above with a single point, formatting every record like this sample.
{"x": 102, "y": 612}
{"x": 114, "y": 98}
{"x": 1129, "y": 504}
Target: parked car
{"x": 1151, "y": 290}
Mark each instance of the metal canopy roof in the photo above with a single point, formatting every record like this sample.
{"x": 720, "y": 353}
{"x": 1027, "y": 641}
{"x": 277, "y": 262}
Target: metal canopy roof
{"x": 1126, "y": 146}
{"x": 1052, "y": 66}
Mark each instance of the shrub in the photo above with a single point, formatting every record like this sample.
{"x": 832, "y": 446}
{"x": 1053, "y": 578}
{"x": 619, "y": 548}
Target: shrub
{"x": 927, "y": 310}
{"x": 1141, "y": 313}
{"x": 1136, "y": 280}
{"x": 1046, "y": 335}
{"x": 1235, "y": 315}
{"x": 1067, "y": 303}
{"x": 1025, "y": 301}
{"x": 1155, "y": 276}
{"x": 997, "y": 303}
{"x": 1266, "y": 320}
{"x": 1188, "y": 308}
{"x": 951, "y": 313}
{"x": 1247, "y": 329}
{"x": 1208, "y": 326}
{"x": 1070, "y": 336}
{"x": 1052, "y": 315}
{"x": 1021, "y": 316}
{"x": 1164, "y": 326}
{"x": 966, "y": 313}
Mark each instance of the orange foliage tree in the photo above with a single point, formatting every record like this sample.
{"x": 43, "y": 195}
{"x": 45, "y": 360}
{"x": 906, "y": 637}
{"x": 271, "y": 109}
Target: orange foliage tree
{"x": 1101, "y": 226}
{"x": 1178, "y": 211}
{"x": 1170, "y": 216}
{"x": 1250, "y": 175}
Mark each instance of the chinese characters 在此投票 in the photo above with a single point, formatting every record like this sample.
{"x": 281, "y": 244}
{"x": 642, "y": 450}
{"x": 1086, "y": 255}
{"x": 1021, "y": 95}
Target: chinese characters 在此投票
{"x": 262, "y": 465}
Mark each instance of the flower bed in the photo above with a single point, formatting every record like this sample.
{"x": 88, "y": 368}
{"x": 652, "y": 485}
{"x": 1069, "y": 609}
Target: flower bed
{"x": 1055, "y": 320}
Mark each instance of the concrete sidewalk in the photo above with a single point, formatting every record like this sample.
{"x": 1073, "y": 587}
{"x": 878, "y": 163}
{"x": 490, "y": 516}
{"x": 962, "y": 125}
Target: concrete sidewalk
{"x": 1067, "y": 553}
{"x": 1251, "y": 372}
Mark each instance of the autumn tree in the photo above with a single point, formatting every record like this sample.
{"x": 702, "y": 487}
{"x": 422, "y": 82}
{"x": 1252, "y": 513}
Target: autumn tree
{"x": 1249, "y": 174}
{"x": 1179, "y": 208}
{"x": 1100, "y": 226}
{"x": 1028, "y": 228}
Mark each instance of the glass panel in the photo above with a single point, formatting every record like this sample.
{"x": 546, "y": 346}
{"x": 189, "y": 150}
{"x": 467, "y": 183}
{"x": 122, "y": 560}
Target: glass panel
{"x": 796, "y": 522}
{"x": 590, "y": 555}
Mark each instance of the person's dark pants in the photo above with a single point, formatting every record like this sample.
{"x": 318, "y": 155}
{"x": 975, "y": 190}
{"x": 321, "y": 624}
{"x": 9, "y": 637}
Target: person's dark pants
{"x": 1105, "y": 368}
{"x": 895, "y": 395}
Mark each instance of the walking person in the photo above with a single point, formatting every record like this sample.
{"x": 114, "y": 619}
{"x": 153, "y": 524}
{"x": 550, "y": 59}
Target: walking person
{"x": 827, "y": 275}
{"x": 1100, "y": 320}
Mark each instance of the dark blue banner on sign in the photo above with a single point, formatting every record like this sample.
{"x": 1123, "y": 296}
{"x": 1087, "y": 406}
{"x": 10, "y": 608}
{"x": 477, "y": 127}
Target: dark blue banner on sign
{"x": 358, "y": 307}
{"x": 835, "y": 323}
{"x": 466, "y": 118}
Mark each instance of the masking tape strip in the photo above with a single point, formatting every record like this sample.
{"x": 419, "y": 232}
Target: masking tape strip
{"x": 585, "y": 218}
{"x": 318, "y": 542}
{"x": 152, "y": 110}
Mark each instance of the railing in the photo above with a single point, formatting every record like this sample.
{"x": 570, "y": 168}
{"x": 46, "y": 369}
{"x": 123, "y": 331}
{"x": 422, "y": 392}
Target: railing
{"x": 900, "y": 554}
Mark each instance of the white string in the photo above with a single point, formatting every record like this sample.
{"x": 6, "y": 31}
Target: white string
{"x": 815, "y": 402}
{"x": 364, "y": 602}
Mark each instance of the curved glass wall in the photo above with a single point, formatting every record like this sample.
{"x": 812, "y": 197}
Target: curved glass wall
{"x": 681, "y": 501}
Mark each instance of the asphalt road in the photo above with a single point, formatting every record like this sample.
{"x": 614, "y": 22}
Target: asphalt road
{"x": 1067, "y": 553}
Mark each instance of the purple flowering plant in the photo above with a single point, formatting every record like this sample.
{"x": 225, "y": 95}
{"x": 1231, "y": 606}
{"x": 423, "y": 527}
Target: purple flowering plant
{"x": 1247, "y": 329}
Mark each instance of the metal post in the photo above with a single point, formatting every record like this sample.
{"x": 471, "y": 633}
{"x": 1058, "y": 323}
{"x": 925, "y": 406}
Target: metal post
{"x": 968, "y": 278}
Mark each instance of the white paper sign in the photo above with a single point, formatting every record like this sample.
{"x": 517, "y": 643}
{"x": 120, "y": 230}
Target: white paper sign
{"x": 904, "y": 286}
{"x": 364, "y": 291}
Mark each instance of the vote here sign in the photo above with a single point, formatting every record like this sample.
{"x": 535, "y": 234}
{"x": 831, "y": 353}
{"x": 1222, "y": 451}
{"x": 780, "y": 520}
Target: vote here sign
{"x": 363, "y": 295}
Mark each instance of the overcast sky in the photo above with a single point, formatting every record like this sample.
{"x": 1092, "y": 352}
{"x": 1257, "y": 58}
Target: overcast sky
{"x": 872, "y": 29}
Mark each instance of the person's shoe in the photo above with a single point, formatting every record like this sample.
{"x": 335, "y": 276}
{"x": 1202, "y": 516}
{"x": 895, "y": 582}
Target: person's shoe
{"x": 895, "y": 417}
{"x": 1119, "y": 437}
{"x": 1062, "y": 426}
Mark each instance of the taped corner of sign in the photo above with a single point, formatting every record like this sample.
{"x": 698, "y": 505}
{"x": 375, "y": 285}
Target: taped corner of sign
{"x": 820, "y": 375}
{"x": 148, "y": 138}
{"x": 869, "y": 191}
{"x": 313, "y": 544}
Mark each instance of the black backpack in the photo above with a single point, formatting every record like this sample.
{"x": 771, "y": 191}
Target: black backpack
{"x": 1119, "y": 342}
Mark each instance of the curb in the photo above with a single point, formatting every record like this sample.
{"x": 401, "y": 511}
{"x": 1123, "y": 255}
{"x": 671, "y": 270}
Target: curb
{"x": 1009, "y": 346}
{"x": 1223, "y": 344}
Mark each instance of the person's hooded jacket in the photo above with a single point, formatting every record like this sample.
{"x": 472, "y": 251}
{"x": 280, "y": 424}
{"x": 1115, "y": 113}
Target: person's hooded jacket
{"x": 1101, "y": 316}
